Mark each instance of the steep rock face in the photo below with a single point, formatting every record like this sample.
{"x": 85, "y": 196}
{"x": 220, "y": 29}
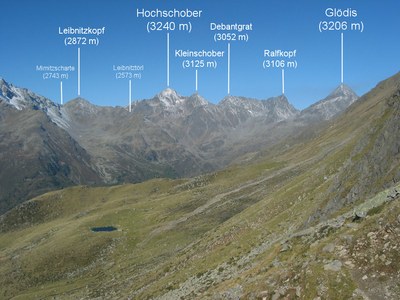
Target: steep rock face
{"x": 281, "y": 109}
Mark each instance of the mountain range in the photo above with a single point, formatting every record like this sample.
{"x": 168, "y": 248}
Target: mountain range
{"x": 47, "y": 146}
{"x": 314, "y": 214}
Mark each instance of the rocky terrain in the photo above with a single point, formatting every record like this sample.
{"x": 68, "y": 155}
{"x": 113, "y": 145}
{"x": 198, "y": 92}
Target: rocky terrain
{"x": 317, "y": 216}
{"x": 167, "y": 136}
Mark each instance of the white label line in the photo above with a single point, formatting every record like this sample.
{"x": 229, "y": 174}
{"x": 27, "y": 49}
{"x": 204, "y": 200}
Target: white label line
{"x": 342, "y": 58}
{"x": 61, "y": 93}
{"x": 79, "y": 71}
{"x": 197, "y": 80}
{"x": 130, "y": 95}
{"x": 167, "y": 59}
{"x": 283, "y": 81}
{"x": 229, "y": 68}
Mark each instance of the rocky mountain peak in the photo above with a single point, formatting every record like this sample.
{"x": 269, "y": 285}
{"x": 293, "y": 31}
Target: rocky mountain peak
{"x": 79, "y": 101}
{"x": 234, "y": 100}
{"x": 169, "y": 97}
{"x": 343, "y": 90}
{"x": 197, "y": 100}
{"x": 81, "y": 106}
{"x": 278, "y": 100}
{"x": 281, "y": 107}
{"x": 336, "y": 102}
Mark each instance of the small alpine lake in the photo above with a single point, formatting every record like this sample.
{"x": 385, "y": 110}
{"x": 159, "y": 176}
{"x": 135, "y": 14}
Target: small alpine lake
{"x": 103, "y": 229}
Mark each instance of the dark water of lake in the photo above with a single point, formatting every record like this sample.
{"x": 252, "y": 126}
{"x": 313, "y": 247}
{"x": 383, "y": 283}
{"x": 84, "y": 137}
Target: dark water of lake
{"x": 103, "y": 229}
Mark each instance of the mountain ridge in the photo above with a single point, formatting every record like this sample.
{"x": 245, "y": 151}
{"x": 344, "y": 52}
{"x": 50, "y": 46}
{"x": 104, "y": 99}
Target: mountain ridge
{"x": 173, "y": 97}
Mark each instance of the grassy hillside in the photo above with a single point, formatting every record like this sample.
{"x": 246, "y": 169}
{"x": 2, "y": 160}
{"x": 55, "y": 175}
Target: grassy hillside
{"x": 318, "y": 217}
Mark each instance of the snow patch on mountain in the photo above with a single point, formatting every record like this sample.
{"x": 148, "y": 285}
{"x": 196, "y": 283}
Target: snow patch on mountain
{"x": 170, "y": 97}
{"x": 12, "y": 95}
{"x": 21, "y": 99}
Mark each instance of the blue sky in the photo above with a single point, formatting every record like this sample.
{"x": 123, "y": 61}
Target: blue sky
{"x": 29, "y": 37}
